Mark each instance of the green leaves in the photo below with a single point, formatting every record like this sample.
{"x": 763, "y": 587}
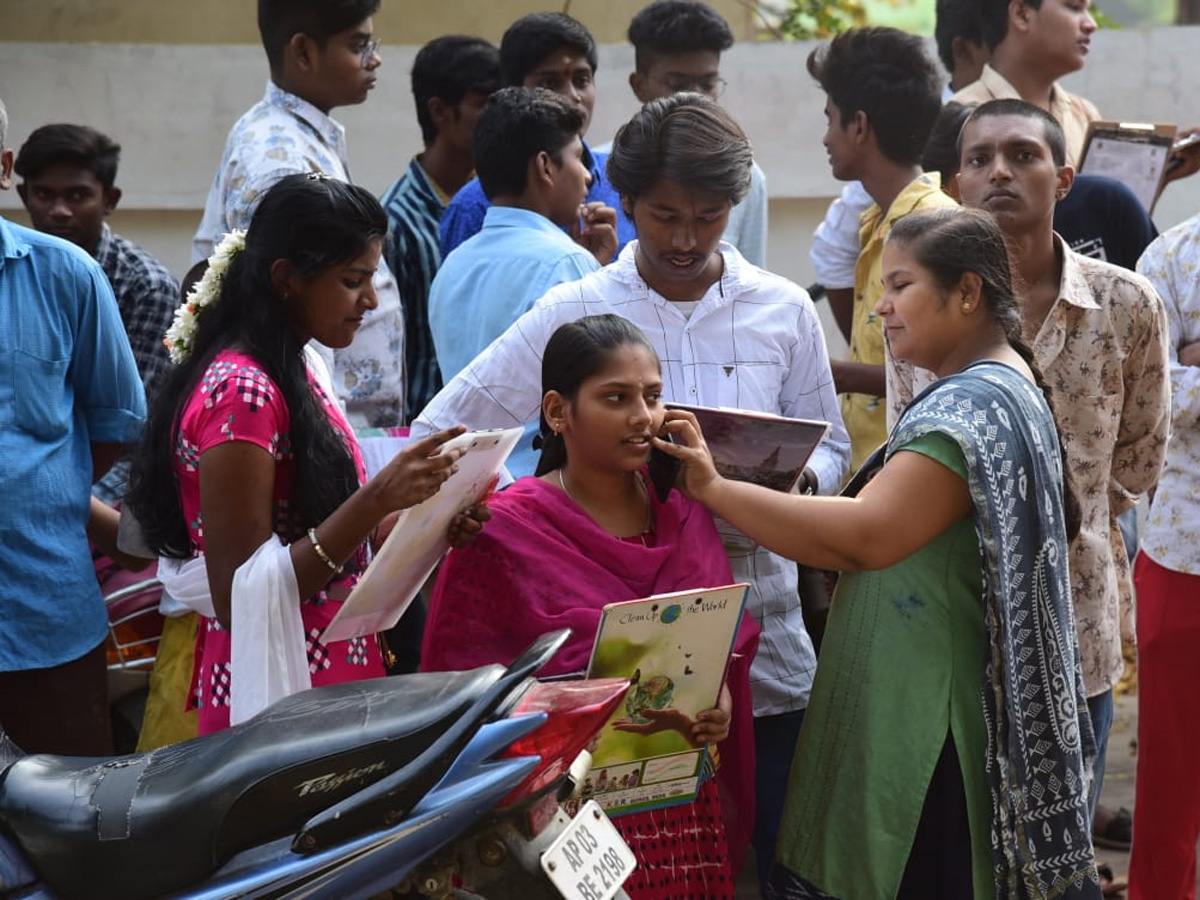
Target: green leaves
{"x": 795, "y": 20}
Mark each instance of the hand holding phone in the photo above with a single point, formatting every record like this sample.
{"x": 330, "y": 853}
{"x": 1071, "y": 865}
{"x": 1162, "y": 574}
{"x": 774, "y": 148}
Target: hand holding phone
{"x": 663, "y": 469}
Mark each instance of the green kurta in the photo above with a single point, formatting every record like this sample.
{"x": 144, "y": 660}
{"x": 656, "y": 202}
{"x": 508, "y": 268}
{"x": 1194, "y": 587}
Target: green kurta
{"x": 902, "y": 662}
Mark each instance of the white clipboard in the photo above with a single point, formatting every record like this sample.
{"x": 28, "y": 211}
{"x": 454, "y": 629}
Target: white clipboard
{"x": 1134, "y": 153}
{"x": 418, "y": 542}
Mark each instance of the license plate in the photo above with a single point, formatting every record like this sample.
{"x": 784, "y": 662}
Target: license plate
{"x": 589, "y": 860}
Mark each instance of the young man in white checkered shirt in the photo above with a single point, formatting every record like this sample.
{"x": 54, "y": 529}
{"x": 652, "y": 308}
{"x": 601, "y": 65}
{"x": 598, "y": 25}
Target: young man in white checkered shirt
{"x": 727, "y": 334}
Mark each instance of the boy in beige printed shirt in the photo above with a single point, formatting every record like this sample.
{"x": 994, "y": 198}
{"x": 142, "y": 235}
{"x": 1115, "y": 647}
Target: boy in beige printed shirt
{"x": 1099, "y": 334}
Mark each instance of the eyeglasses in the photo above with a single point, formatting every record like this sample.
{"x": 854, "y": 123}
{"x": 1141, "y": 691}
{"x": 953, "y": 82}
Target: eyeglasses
{"x": 369, "y": 50}
{"x": 711, "y": 85}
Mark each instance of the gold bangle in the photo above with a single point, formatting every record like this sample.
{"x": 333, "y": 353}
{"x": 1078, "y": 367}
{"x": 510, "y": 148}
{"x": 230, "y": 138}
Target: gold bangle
{"x": 316, "y": 545}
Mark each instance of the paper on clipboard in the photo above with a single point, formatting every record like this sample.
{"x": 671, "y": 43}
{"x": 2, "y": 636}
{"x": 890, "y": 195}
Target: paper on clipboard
{"x": 1133, "y": 153}
{"x": 418, "y": 541}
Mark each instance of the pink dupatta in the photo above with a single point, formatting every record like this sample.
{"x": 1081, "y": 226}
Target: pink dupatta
{"x": 541, "y": 564}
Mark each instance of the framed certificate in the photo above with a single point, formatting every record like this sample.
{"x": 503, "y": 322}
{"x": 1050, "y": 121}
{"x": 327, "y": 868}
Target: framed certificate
{"x": 1135, "y": 154}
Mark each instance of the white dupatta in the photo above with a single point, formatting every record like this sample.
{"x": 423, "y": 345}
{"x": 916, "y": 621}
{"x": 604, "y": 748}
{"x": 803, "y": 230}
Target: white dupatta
{"x": 269, "y": 660}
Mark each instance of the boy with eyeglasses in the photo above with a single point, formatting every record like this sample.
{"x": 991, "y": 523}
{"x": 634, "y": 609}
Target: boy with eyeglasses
{"x": 322, "y": 55}
{"x": 555, "y": 52}
{"x": 677, "y": 46}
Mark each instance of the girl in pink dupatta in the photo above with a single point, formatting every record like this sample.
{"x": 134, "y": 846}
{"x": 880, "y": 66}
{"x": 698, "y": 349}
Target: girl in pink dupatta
{"x": 585, "y": 532}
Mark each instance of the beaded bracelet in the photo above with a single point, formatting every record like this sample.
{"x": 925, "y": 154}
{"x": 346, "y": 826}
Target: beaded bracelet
{"x": 316, "y": 545}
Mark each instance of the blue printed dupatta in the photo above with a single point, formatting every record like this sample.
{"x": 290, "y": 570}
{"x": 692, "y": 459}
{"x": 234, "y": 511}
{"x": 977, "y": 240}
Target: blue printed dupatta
{"x": 1040, "y": 742}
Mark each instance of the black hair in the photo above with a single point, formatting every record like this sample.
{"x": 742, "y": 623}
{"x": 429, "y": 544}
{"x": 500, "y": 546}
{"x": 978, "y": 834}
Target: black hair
{"x": 76, "y": 145}
{"x": 1010, "y": 106}
{"x": 886, "y": 74}
{"x": 279, "y": 20}
{"x": 575, "y": 352}
{"x": 313, "y": 222}
{"x": 668, "y": 27}
{"x": 532, "y": 38}
{"x": 687, "y": 138}
{"x": 948, "y": 242}
{"x": 449, "y": 68}
{"x": 517, "y": 124}
{"x": 941, "y": 153}
{"x": 993, "y": 19}
{"x": 956, "y": 19}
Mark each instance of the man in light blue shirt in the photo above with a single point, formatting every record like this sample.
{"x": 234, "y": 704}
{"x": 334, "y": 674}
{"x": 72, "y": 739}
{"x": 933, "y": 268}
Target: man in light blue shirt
{"x": 529, "y": 160}
{"x": 71, "y": 400}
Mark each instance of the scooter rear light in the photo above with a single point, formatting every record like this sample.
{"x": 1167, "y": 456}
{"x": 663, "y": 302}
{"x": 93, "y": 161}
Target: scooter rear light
{"x": 133, "y": 641}
{"x": 134, "y": 625}
{"x": 575, "y": 712}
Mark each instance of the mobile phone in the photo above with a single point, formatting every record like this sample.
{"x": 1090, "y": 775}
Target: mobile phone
{"x": 663, "y": 469}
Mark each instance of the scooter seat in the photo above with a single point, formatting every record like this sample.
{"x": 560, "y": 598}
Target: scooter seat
{"x": 153, "y": 823}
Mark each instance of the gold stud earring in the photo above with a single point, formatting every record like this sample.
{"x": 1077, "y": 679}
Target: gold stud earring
{"x": 966, "y": 307}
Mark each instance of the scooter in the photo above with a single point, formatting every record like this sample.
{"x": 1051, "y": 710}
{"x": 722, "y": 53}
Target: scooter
{"x": 336, "y": 792}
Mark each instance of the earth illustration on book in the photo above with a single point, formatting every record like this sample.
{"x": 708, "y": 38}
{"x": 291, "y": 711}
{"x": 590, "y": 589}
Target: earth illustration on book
{"x": 656, "y": 693}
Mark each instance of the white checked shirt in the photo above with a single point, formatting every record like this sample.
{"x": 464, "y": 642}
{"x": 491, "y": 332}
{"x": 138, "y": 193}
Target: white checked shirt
{"x": 284, "y": 135}
{"x": 754, "y": 342}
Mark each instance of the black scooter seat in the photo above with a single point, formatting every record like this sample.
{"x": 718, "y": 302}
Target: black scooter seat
{"x": 152, "y": 823}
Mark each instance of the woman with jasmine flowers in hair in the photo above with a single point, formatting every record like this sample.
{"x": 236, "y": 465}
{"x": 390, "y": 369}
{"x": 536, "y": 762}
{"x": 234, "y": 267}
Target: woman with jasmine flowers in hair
{"x": 947, "y": 747}
{"x": 248, "y": 472}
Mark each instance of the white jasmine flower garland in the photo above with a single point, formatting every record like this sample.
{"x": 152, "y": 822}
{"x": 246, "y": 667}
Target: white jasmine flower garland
{"x": 182, "y": 333}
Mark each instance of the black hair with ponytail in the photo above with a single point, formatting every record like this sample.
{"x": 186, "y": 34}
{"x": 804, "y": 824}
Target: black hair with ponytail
{"x": 950, "y": 241}
{"x": 575, "y": 352}
{"x": 314, "y": 222}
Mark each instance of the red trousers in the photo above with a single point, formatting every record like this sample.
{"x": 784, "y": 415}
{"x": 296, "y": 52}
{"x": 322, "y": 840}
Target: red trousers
{"x": 1166, "y": 824}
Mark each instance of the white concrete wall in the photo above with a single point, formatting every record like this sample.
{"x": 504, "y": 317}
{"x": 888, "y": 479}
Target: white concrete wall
{"x": 171, "y": 106}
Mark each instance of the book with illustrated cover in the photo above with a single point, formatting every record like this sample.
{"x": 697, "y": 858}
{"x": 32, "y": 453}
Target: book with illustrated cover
{"x": 676, "y": 649}
{"x": 758, "y": 447}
